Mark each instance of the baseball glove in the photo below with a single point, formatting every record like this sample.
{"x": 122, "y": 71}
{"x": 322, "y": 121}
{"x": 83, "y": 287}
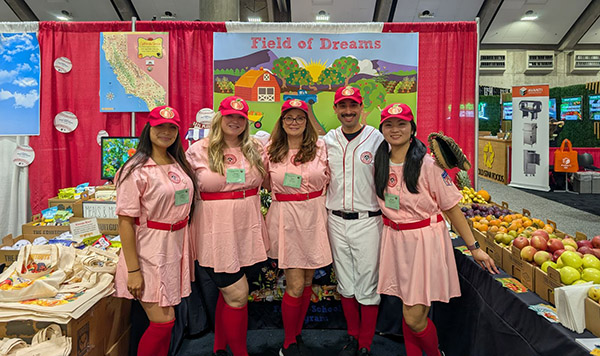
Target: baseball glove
{"x": 446, "y": 152}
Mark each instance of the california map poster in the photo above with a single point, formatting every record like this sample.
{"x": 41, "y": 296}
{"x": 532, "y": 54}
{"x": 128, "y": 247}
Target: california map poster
{"x": 134, "y": 71}
{"x": 268, "y": 68}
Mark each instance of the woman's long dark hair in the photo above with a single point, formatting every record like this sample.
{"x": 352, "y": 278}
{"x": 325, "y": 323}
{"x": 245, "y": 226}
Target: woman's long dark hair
{"x": 279, "y": 149}
{"x": 412, "y": 163}
{"x": 144, "y": 152}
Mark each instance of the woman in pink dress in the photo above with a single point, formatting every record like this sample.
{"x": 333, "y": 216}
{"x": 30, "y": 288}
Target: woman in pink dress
{"x": 416, "y": 257}
{"x": 155, "y": 190}
{"x": 297, "y": 218}
{"x": 228, "y": 228}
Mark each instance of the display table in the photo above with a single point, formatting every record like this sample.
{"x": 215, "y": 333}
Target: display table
{"x": 494, "y": 159}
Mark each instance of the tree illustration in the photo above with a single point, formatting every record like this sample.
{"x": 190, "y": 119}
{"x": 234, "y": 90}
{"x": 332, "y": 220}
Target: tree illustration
{"x": 330, "y": 76}
{"x": 347, "y": 66}
{"x": 283, "y": 67}
{"x": 300, "y": 77}
{"x": 373, "y": 95}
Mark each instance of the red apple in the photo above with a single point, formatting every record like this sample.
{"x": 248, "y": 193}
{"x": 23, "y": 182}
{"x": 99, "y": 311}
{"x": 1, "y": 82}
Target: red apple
{"x": 586, "y": 250}
{"x": 539, "y": 242}
{"x": 582, "y": 243}
{"x": 542, "y": 233}
{"x": 555, "y": 244}
{"x": 569, "y": 242}
{"x": 557, "y": 254}
{"x": 541, "y": 257}
{"x": 596, "y": 241}
{"x": 527, "y": 253}
{"x": 520, "y": 242}
{"x": 596, "y": 252}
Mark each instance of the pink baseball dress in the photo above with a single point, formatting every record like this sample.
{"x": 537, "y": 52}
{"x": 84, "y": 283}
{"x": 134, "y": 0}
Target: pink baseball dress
{"x": 298, "y": 226}
{"x": 148, "y": 194}
{"x": 227, "y": 233}
{"x": 418, "y": 265}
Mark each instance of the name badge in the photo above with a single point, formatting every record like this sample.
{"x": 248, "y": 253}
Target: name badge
{"x": 182, "y": 197}
{"x": 292, "y": 180}
{"x": 392, "y": 201}
{"x": 236, "y": 175}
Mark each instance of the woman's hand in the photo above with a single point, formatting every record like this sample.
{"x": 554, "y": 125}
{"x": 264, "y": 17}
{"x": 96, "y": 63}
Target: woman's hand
{"x": 485, "y": 260}
{"x": 135, "y": 284}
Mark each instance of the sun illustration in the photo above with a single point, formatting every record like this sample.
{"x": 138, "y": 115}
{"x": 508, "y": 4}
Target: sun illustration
{"x": 314, "y": 68}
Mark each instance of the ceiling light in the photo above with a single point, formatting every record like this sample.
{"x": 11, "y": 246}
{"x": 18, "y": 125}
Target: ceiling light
{"x": 254, "y": 19}
{"x": 529, "y": 16}
{"x": 64, "y": 16}
{"x": 322, "y": 16}
{"x": 426, "y": 14}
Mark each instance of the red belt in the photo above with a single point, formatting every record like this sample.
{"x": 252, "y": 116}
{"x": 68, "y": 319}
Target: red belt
{"x": 298, "y": 197}
{"x": 410, "y": 226}
{"x": 237, "y": 194}
{"x": 164, "y": 226}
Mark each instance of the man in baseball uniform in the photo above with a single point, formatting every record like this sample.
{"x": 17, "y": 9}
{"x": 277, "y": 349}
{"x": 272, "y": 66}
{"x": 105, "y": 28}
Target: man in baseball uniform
{"x": 354, "y": 219}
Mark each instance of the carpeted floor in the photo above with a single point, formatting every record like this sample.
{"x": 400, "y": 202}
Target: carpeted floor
{"x": 587, "y": 202}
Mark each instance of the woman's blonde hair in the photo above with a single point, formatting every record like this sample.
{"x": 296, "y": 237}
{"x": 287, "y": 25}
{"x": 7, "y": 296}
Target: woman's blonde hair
{"x": 251, "y": 148}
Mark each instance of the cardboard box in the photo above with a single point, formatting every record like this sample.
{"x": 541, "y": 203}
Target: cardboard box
{"x": 546, "y": 282}
{"x": 492, "y": 248}
{"x": 121, "y": 347}
{"x": 94, "y": 334}
{"x": 99, "y": 209}
{"x": 30, "y": 230}
{"x": 514, "y": 265}
{"x": 9, "y": 256}
{"x": 592, "y": 316}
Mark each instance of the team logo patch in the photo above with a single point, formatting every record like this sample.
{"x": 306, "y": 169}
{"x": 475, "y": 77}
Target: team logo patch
{"x": 447, "y": 179}
{"x": 174, "y": 177}
{"x": 348, "y": 91}
{"x": 237, "y": 104}
{"x": 167, "y": 113}
{"x": 230, "y": 159}
{"x": 296, "y": 103}
{"x": 366, "y": 157}
{"x": 393, "y": 180}
{"x": 395, "y": 109}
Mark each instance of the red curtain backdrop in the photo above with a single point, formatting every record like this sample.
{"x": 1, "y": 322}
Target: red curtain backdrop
{"x": 65, "y": 160}
{"x": 447, "y": 70}
{"x": 447, "y": 60}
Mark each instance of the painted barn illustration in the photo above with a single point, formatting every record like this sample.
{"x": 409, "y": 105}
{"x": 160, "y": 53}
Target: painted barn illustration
{"x": 258, "y": 85}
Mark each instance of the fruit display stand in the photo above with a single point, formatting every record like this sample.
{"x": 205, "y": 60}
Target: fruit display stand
{"x": 546, "y": 282}
{"x": 592, "y": 316}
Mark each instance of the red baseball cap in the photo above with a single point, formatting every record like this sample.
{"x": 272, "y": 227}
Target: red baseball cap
{"x": 294, "y": 104}
{"x": 232, "y": 105}
{"x": 163, "y": 115}
{"x": 399, "y": 110}
{"x": 348, "y": 92}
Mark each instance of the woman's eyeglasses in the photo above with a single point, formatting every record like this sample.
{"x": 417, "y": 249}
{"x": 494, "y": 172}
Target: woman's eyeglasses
{"x": 299, "y": 120}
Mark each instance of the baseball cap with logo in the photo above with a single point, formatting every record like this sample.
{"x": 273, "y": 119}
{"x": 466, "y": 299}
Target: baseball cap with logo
{"x": 232, "y": 105}
{"x": 399, "y": 110}
{"x": 294, "y": 104}
{"x": 163, "y": 115}
{"x": 347, "y": 93}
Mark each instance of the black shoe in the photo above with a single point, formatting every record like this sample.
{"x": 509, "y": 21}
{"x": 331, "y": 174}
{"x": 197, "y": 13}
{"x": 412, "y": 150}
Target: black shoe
{"x": 364, "y": 352}
{"x": 292, "y": 350}
{"x": 304, "y": 350}
{"x": 351, "y": 347}
{"x": 220, "y": 353}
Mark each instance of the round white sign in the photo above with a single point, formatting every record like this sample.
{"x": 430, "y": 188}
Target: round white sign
{"x": 65, "y": 121}
{"x": 23, "y": 156}
{"x": 205, "y": 115}
{"x": 101, "y": 133}
{"x": 63, "y": 65}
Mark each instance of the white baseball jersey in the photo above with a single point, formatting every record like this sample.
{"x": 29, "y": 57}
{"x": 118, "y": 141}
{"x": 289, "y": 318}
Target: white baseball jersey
{"x": 352, "y": 186}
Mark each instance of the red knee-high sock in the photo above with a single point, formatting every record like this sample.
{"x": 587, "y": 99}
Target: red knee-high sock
{"x": 290, "y": 312}
{"x": 368, "y": 321}
{"x": 220, "y": 340}
{"x": 156, "y": 339}
{"x": 351, "y": 313}
{"x": 306, "y": 294}
{"x": 236, "y": 328}
{"x": 411, "y": 344}
{"x": 428, "y": 339}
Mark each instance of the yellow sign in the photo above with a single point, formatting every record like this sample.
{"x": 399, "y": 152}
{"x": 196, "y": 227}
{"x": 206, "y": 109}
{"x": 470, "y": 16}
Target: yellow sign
{"x": 488, "y": 155}
{"x": 150, "y": 48}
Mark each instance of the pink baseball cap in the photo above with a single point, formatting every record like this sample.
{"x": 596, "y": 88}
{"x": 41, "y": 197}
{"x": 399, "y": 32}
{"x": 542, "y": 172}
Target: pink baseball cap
{"x": 348, "y": 92}
{"x": 163, "y": 115}
{"x": 294, "y": 104}
{"x": 399, "y": 110}
{"x": 232, "y": 105}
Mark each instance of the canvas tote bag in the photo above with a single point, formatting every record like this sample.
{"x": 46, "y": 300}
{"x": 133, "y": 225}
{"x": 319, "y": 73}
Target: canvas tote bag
{"x": 48, "y": 342}
{"x": 565, "y": 158}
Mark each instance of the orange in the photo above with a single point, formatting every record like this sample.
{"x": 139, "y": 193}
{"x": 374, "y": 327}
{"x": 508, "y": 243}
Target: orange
{"x": 483, "y": 227}
{"x": 493, "y": 228}
{"x": 484, "y": 194}
{"x": 549, "y": 229}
